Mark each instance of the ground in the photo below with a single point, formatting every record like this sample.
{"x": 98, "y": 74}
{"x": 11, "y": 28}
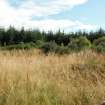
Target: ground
{"x": 32, "y": 78}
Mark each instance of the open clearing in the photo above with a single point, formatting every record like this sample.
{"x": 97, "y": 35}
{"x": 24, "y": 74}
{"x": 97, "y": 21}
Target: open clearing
{"x": 32, "y": 78}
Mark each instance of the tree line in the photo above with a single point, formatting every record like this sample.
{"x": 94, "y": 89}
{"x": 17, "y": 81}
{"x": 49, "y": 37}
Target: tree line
{"x": 49, "y": 41}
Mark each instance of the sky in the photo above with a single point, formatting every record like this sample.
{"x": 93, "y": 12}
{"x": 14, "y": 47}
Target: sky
{"x": 67, "y": 15}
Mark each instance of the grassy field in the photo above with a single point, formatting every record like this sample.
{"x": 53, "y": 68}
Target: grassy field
{"x": 32, "y": 78}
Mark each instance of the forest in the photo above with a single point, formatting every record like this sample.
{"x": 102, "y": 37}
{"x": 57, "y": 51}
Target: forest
{"x": 58, "y": 42}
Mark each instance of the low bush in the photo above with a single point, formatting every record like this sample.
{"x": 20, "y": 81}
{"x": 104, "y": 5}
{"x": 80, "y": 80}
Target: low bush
{"x": 99, "y": 49}
{"x": 62, "y": 50}
{"x": 21, "y": 46}
{"x": 49, "y": 47}
{"x": 52, "y": 47}
{"x": 39, "y": 43}
{"x": 99, "y": 41}
{"x": 80, "y": 43}
{"x": 99, "y": 45}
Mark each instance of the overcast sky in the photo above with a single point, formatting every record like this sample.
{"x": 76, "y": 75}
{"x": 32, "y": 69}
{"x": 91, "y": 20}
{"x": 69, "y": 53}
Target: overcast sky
{"x": 68, "y": 15}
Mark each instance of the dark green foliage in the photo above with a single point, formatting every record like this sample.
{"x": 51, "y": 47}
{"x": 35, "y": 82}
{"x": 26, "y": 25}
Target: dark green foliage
{"x": 12, "y": 36}
{"x": 58, "y": 42}
{"x": 21, "y": 46}
{"x": 59, "y": 39}
{"x": 99, "y": 49}
{"x": 62, "y": 50}
{"x": 49, "y": 47}
{"x": 80, "y": 43}
{"x": 53, "y": 47}
{"x": 39, "y": 43}
{"x": 99, "y": 44}
{"x": 100, "y": 41}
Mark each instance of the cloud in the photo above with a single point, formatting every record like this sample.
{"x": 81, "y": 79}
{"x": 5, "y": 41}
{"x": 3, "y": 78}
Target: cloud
{"x": 54, "y": 25}
{"x": 22, "y": 14}
{"x": 50, "y": 7}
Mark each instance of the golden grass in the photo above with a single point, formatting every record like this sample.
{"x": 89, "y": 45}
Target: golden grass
{"x": 32, "y": 78}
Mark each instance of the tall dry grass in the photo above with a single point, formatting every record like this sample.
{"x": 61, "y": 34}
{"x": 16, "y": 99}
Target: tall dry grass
{"x": 32, "y": 78}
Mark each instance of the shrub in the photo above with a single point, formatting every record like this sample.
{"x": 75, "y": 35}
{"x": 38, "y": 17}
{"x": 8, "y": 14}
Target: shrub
{"x": 99, "y": 44}
{"x": 39, "y": 43}
{"x": 99, "y": 49}
{"x": 21, "y": 46}
{"x": 53, "y": 47}
{"x": 100, "y": 41}
{"x": 49, "y": 47}
{"x": 62, "y": 50}
{"x": 80, "y": 43}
